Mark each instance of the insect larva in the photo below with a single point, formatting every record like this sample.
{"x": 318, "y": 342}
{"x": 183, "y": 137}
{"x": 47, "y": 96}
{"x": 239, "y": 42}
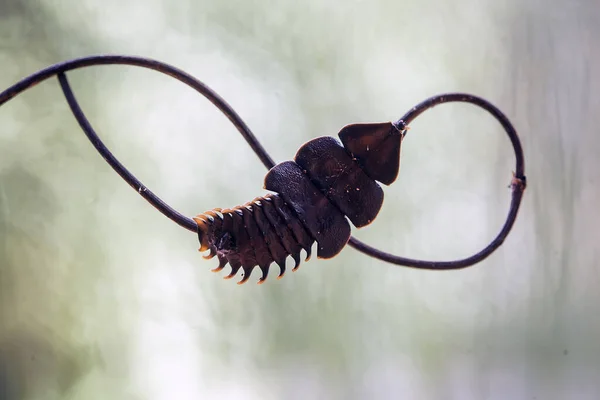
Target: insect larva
{"x": 314, "y": 196}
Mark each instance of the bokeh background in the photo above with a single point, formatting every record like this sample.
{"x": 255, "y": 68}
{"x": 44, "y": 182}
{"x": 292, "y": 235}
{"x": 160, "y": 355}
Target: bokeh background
{"x": 101, "y": 297}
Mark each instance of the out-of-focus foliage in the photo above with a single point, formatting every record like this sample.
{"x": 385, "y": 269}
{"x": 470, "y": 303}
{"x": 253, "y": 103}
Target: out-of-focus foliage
{"x": 102, "y": 297}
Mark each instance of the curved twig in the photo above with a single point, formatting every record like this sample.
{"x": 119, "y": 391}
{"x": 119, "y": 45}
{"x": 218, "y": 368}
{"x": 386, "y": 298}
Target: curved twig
{"x": 518, "y": 184}
{"x": 127, "y": 176}
{"x": 60, "y": 68}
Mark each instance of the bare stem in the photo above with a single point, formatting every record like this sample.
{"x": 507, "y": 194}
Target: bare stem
{"x": 518, "y": 182}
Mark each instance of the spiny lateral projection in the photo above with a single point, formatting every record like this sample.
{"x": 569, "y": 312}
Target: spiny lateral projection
{"x": 327, "y": 184}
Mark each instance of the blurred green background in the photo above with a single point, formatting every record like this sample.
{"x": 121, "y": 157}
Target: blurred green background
{"x": 101, "y": 297}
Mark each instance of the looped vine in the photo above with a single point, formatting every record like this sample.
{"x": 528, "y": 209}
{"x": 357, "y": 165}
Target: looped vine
{"x": 59, "y": 70}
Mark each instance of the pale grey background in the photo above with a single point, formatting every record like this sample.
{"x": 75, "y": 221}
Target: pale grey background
{"x": 104, "y": 298}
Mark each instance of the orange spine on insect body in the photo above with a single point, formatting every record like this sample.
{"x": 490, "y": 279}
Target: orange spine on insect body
{"x": 314, "y": 196}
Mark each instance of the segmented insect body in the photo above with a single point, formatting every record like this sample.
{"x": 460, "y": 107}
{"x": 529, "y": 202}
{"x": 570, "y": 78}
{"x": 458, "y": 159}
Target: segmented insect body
{"x": 314, "y": 196}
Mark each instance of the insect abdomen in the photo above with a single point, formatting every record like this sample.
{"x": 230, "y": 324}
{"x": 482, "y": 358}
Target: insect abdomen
{"x": 257, "y": 233}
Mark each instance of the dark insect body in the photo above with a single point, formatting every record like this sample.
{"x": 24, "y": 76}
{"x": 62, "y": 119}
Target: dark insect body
{"x": 327, "y": 184}
{"x": 313, "y": 197}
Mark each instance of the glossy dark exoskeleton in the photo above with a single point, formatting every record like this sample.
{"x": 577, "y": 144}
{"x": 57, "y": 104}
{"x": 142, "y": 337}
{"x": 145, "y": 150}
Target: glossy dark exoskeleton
{"x": 328, "y": 183}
